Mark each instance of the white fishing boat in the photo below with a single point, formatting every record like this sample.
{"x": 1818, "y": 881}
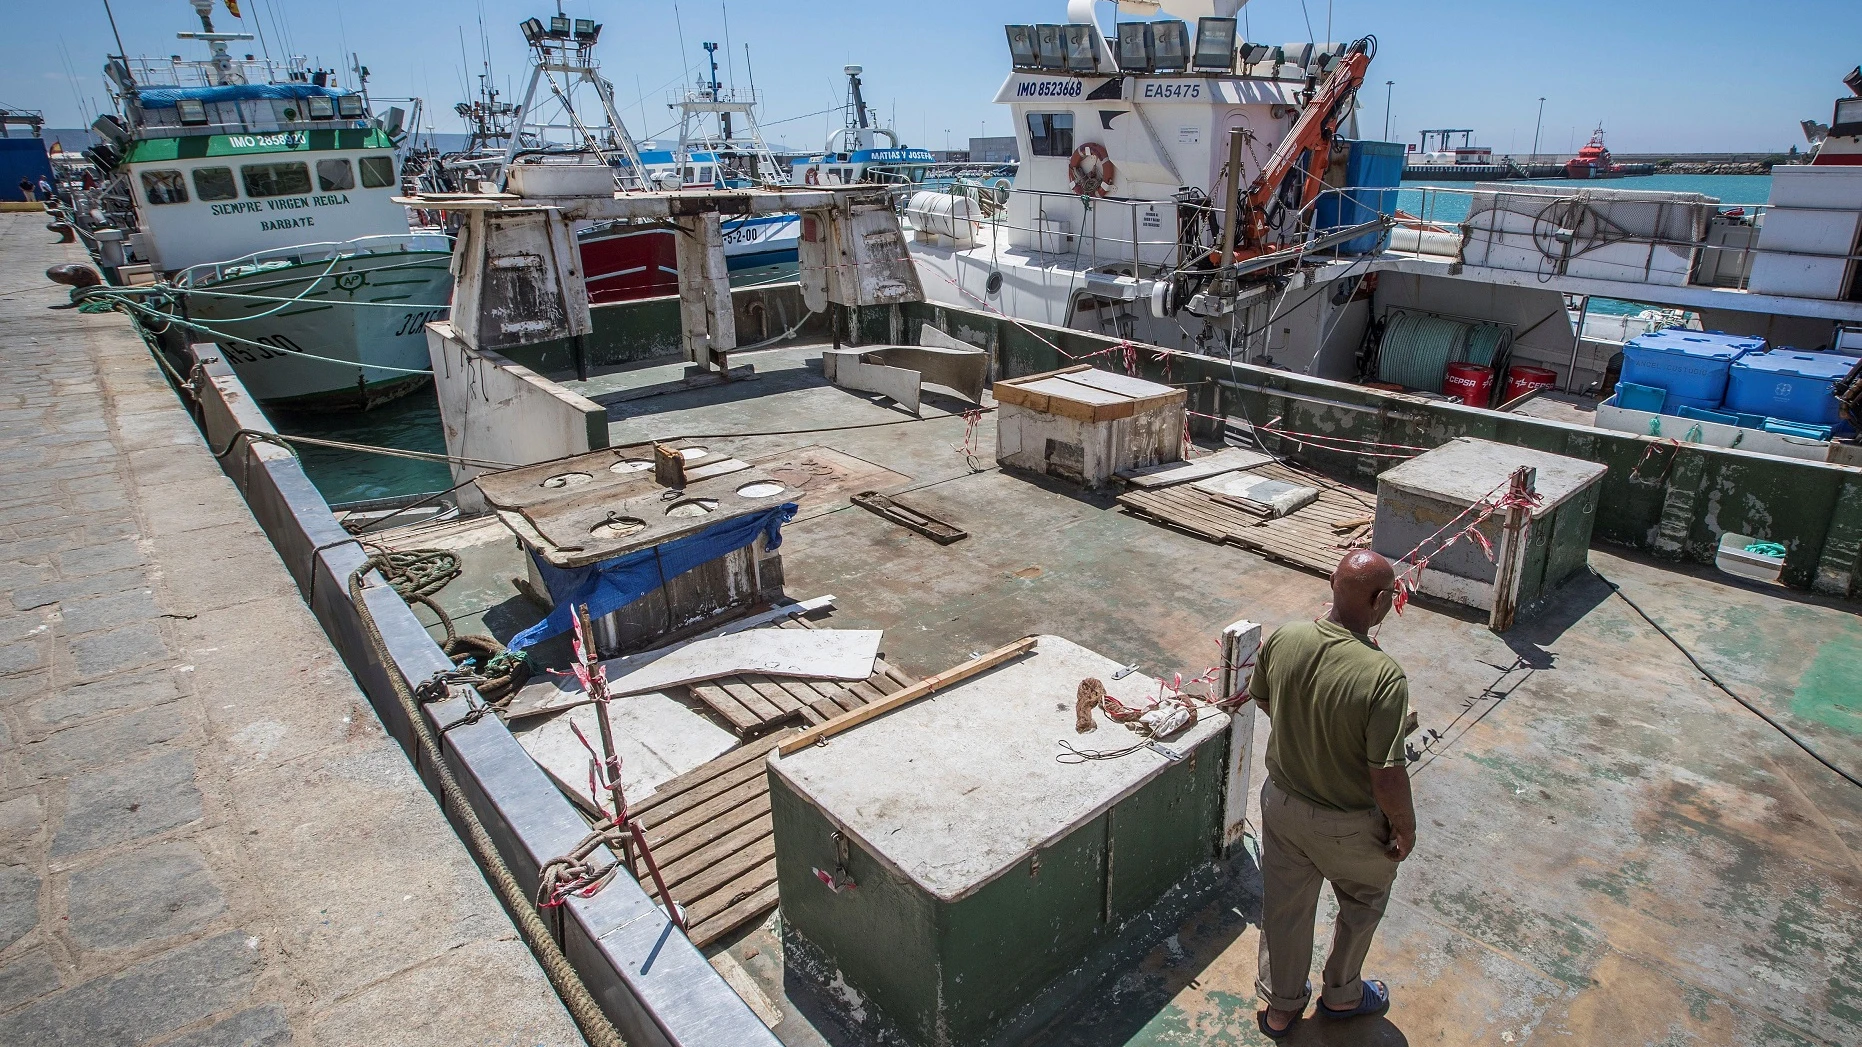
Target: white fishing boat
{"x": 853, "y": 153}
{"x": 264, "y": 196}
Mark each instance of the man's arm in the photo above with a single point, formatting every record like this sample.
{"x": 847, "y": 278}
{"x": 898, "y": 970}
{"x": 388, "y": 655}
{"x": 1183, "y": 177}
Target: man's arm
{"x": 1390, "y": 787}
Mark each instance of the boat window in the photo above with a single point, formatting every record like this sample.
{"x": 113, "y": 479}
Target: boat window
{"x": 1050, "y": 134}
{"x": 377, "y": 171}
{"x": 286, "y": 179}
{"x": 335, "y": 175}
{"x": 164, "y": 187}
{"x": 214, "y": 183}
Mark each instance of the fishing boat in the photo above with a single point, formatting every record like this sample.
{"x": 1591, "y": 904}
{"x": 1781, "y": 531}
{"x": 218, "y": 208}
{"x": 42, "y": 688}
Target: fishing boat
{"x": 720, "y": 145}
{"x": 1594, "y": 160}
{"x": 1839, "y": 143}
{"x": 853, "y": 153}
{"x": 264, "y": 196}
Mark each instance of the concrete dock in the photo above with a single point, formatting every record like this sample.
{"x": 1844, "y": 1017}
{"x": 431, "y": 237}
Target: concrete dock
{"x": 206, "y": 838}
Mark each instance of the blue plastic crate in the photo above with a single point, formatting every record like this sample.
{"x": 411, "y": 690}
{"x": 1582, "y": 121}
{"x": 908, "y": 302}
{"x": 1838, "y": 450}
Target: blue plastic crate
{"x": 1691, "y": 365}
{"x": 1699, "y": 415}
{"x": 1788, "y": 384}
{"x": 1633, "y": 397}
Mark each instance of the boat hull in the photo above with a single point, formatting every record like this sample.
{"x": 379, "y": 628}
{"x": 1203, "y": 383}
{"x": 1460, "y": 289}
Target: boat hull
{"x": 628, "y": 263}
{"x": 360, "y": 313}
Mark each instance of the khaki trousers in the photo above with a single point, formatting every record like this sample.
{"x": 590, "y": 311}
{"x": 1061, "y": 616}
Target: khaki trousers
{"x": 1301, "y": 847}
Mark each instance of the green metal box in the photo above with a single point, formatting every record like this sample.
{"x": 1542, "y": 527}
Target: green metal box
{"x": 951, "y": 881}
{"x": 1429, "y": 499}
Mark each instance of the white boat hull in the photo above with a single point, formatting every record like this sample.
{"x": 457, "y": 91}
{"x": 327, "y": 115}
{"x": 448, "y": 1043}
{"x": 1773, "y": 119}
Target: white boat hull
{"x": 347, "y": 337}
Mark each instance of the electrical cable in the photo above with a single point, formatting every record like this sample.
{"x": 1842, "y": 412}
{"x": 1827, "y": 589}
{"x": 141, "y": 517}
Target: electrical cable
{"x": 1721, "y": 684}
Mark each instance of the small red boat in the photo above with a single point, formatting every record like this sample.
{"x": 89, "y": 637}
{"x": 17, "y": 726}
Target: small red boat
{"x": 1593, "y": 161}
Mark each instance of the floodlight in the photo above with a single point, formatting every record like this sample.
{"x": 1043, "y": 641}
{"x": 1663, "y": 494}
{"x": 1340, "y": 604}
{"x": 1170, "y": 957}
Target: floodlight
{"x": 1050, "y": 47}
{"x": 533, "y": 29}
{"x": 1215, "y": 43}
{"x": 349, "y": 106}
{"x": 559, "y": 26}
{"x": 1022, "y": 47}
{"x": 1255, "y": 54}
{"x": 586, "y": 29}
{"x": 1134, "y": 47}
{"x": 191, "y": 111}
{"x": 321, "y": 107}
{"x": 1082, "y": 48}
{"x": 1170, "y": 46}
{"x": 1848, "y": 118}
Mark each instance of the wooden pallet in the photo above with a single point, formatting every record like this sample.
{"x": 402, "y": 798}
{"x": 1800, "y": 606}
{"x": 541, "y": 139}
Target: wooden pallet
{"x": 711, "y": 834}
{"x": 1304, "y": 538}
{"x": 753, "y": 704}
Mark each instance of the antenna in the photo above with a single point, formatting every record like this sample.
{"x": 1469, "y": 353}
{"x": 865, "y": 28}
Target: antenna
{"x": 120, "y": 53}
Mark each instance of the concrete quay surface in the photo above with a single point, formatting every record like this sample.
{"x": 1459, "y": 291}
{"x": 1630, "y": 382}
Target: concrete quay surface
{"x": 206, "y": 838}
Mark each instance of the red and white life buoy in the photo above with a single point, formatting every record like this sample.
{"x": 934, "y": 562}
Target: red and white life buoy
{"x": 813, "y": 176}
{"x": 1090, "y": 171}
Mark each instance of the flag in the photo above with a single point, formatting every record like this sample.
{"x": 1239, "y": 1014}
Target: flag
{"x": 232, "y": 7}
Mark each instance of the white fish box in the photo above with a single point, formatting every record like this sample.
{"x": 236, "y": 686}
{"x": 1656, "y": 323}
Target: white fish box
{"x": 1614, "y": 234}
{"x": 1083, "y": 424}
{"x": 1806, "y": 234}
{"x": 561, "y": 180}
{"x": 1716, "y": 434}
{"x": 1838, "y": 188}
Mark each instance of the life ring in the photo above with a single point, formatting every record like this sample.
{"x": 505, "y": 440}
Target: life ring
{"x": 812, "y": 177}
{"x": 1090, "y": 171}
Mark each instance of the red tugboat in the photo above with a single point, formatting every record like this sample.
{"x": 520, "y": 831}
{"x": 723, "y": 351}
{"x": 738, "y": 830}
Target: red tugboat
{"x": 1593, "y": 161}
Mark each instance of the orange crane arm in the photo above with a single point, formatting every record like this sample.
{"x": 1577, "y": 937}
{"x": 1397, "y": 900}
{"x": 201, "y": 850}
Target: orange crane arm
{"x": 1317, "y": 125}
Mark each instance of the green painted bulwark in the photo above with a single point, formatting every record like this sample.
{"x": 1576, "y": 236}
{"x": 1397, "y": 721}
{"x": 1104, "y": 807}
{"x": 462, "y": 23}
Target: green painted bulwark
{"x": 647, "y": 331}
{"x": 990, "y": 967}
{"x": 1659, "y": 496}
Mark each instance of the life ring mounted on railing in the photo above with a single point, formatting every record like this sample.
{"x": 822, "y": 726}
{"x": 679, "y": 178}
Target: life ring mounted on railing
{"x": 813, "y": 176}
{"x": 1091, "y": 171}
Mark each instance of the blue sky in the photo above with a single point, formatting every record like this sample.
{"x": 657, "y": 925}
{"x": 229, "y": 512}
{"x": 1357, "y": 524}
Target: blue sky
{"x": 1662, "y": 75}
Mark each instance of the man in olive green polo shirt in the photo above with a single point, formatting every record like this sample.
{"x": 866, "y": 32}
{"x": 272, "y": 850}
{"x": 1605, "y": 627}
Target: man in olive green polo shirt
{"x": 1336, "y": 805}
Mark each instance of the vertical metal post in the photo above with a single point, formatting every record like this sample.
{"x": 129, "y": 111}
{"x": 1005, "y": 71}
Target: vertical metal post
{"x": 1231, "y": 204}
{"x": 1240, "y": 643}
{"x": 1577, "y": 345}
{"x": 1512, "y": 552}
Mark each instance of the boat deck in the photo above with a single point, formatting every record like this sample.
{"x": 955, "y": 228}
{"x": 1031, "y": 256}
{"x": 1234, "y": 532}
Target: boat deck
{"x": 1611, "y": 850}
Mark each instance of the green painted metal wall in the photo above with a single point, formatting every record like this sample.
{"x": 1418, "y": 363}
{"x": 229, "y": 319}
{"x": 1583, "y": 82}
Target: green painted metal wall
{"x": 1014, "y": 953}
{"x": 1671, "y": 499}
{"x": 637, "y": 332}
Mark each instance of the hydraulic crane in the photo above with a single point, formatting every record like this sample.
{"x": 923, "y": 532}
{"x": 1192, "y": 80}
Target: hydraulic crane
{"x": 1292, "y": 177}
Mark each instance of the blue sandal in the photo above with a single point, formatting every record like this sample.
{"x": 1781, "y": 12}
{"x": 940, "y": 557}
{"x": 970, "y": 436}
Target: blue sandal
{"x": 1375, "y": 1001}
{"x": 1260, "y": 1018}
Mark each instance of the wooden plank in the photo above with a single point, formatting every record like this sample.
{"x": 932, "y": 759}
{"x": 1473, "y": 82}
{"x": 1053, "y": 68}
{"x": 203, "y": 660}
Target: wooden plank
{"x": 698, "y": 861}
{"x": 773, "y": 693}
{"x": 882, "y": 683}
{"x": 726, "y": 866}
{"x": 756, "y": 703}
{"x": 760, "y": 878}
{"x": 720, "y": 701}
{"x": 906, "y": 695}
{"x": 867, "y": 695}
{"x": 892, "y": 673}
{"x": 728, "y": 920}
{"x": 710, "y": 825}
{"x": 693, "y": 779}
{"x": 683, "y": 802}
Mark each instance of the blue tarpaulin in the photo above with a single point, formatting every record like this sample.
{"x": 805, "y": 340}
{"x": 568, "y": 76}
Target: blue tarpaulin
{"x": 166, "y": 97}
{"x": 608, "y": 586}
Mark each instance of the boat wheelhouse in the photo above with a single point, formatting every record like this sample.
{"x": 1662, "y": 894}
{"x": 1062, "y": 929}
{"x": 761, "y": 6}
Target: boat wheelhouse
{"x": 264, "y": 193}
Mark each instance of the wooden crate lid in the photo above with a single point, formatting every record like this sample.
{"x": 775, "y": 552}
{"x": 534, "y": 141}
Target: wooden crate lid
{"x": 1086, "y": 394}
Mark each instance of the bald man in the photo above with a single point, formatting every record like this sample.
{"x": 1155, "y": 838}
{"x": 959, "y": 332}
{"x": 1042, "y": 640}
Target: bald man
{"x": 1336, "y": 805}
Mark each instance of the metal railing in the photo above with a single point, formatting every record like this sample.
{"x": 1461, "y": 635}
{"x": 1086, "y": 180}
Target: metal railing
{"x": 384, "y": 243}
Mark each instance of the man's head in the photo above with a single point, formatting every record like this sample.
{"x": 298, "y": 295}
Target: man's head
{"x": 1363, "y": 590}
